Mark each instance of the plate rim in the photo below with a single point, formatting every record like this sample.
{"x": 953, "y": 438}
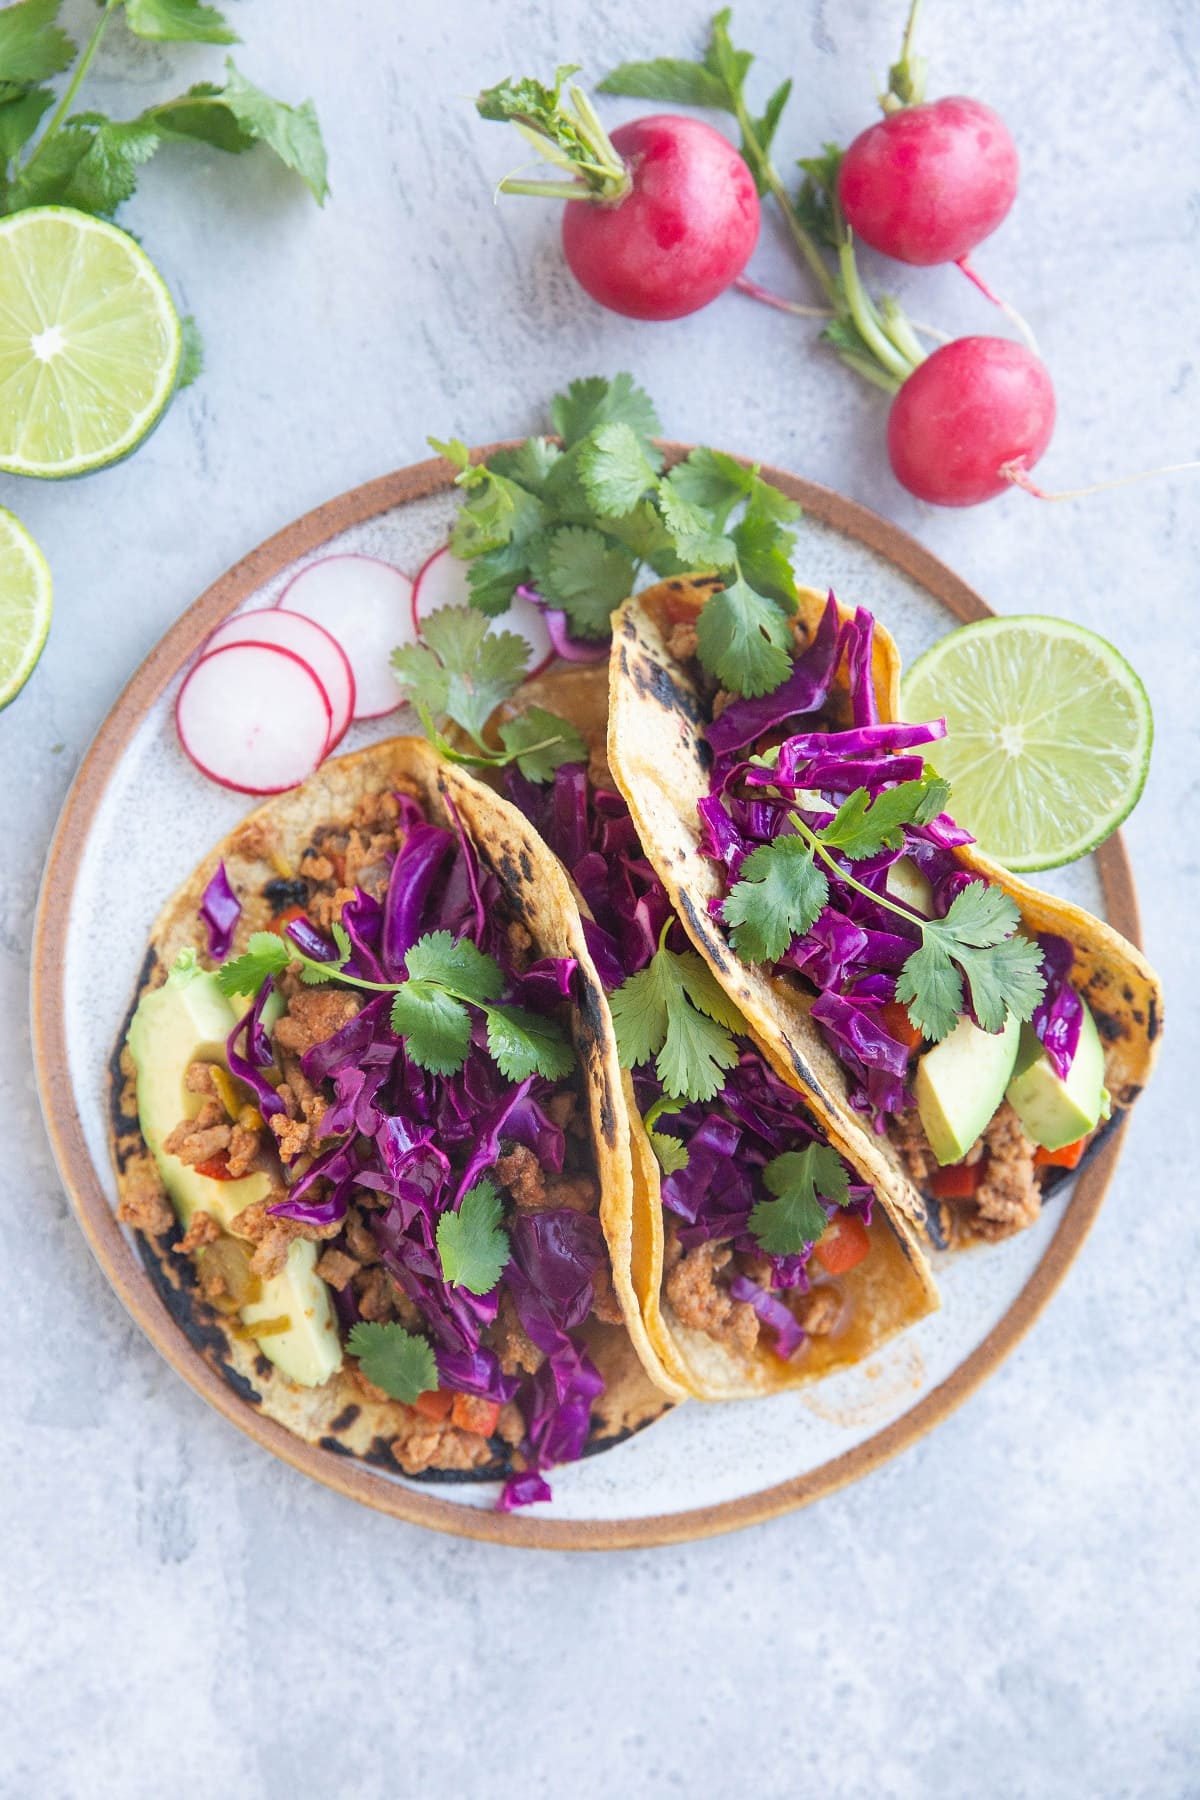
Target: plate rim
{"x": 116, "y": 1256}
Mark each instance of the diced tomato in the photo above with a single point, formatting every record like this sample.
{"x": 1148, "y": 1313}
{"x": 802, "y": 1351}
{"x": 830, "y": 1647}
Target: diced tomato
{"x": 957, "y": 1181}
{"x": 217, "y": 1167}
{"x": 471, "y": 1413}
{"x": 843, "y": 1244}
{"x": 435, "y": 1404}
{"x": 897, "y": 1024}
{"x": 281, "y": 921}
{"x": 1066, "y": 1158}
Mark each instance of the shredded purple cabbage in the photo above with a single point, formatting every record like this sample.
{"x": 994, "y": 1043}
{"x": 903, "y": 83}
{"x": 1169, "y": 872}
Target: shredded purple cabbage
{"x": 220, "y": 909}
{"x": 1058, "y": 1017}
{"x": 775, "y": 1314}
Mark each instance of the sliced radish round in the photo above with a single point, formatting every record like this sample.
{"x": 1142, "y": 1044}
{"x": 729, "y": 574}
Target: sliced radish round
{"x": 253, "y": 717}
{"x": 442, "y": 581}
{"x": 305, "y": 639}
{"x": 366, "y": 605}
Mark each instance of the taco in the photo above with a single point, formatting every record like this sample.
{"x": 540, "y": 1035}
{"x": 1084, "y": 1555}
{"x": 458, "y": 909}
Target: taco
{"x": 962, "y": 1035}
{"x": 375, "y": 1204}
{"x": 756, "y": 1257}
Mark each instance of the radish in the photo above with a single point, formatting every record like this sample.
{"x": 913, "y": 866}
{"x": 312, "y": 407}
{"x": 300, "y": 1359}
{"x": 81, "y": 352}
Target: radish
{"x": 306, "y": 639}
{"x": 970, "y": 421}
{"x": 366, "y": 605}
{"x": 927, "y": 183}
{"x": 442, "y": 581}
{"x": 253, "y": 717}
{"x": 664, "y": 213}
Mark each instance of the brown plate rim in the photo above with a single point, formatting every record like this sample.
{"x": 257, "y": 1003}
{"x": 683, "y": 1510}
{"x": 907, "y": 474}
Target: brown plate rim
{"x": 118, "y": 1259}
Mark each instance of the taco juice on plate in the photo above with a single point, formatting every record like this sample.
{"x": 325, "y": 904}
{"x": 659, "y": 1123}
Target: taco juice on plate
{"x": 757, "y": 1257}
{"x": 387, "y": 1177}
{"x": 957, "y": 1124}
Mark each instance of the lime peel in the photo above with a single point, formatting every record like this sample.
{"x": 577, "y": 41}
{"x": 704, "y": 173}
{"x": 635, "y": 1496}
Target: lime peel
{"x": 1049, "y": 735}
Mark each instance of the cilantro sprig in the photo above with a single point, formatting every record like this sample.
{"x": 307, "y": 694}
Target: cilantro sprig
{"x": 398, "y": 1361}
{"x": 448, "y": 979}
{"x": 86, "y": 160}
{"x": 799, "y": 1180}
{"x": 579, "y": 521}
{"x": 676, "y": 1012}
{"x": 671, "y": 1152}
{"x": 976, "y": 949}
{"x": 472, "y": 1243}
{"x": 459, "y": 674}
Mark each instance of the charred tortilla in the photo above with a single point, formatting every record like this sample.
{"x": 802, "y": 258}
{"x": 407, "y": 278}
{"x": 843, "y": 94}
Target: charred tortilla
{"x": 263, "y": 858}
{"x": 660, "y": 760}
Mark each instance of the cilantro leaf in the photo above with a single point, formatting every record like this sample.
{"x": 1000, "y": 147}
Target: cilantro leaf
{"x": 931, "y": 988}
{"x": 795, "y": 1218}
{"x": 540, "y": 742}
{"x": 586, "y": 573}
{"x": 764, "y": 555}
{"x": 522, "y": 1043}
{"x": 981, "y": 914}
{"x": 672, "y": 1155}
{"x": 744, "y": 640}
{"x": 593, "y": 401}
{"x": 471, "y": 1242}
{"x": 20, "y": 118}
{"x": 780, "y": 894}
{"x": 292, "y": 132}
{"x": 200, "y": 116}
{"x": 668, "y": 78}
{"x": 178, "y": 22}
{"x": 266, "y": 954}
{"x": 455, "y": 963}
{"x": 32, "y": 45}
{"x": 1005, "y": 978}
{"x": 711, "y": 479}
{"x": 436, "y": 1027}
{"x": 106, "y": 174}
{"x": 191, "y": 359}
{"x": 860, "y": 829}
{"x": 529, "y": 465}
{"x": 462, "y": 671}
{"x": 614, "y": 469}
{"x": 44, "y": 179}
{"x": 692, "y": 536}
{"x": 676, "y": 1011}
{"x": 396, "y": 1360}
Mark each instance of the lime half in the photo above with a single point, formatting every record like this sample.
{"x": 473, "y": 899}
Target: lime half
{"x": 24, "y": 606}
{"x": 89, "y": 343}
{"x": 1049, "y": 735}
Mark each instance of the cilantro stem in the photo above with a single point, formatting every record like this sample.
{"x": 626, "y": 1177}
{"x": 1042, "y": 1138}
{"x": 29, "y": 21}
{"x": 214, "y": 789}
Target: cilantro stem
{"x": 72, "y": 88}
{"x": 814, "y": 843}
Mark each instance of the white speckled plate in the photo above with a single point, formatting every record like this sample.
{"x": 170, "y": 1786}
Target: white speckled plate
{"x": 134, "y": 824}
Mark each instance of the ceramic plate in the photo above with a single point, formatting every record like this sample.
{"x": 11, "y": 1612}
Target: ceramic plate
{"x": 138, "y": 817}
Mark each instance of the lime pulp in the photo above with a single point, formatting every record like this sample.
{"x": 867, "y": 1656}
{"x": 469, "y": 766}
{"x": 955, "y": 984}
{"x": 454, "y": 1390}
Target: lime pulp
{"x": 25, "y": 603}
{"x": 89, "y": 343}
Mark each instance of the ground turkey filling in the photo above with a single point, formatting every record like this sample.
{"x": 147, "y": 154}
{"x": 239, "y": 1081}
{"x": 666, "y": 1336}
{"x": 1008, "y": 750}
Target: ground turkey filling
{"x": 1009, "y": 1195}
{"x": 233, "y": 1140}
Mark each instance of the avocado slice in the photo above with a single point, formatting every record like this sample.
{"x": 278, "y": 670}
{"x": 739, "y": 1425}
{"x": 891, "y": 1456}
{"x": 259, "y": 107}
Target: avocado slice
{"x": 1054, "y": 1112}
{"x": 187, "y": 1020}
{"x": 911, "y": 886}
{"x": 961, "y": 1082}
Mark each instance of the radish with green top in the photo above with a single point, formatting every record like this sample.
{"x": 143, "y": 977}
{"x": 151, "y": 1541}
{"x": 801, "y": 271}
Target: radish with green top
{"x": 663, "y": 215}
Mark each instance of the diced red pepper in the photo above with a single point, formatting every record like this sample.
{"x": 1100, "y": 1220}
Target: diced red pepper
{"x": 957, "y": 1181}
{"x": 216, "y": 1168}
{"x": 843, "y": 1244}
{"x": 472, "y": 1413}
{"x": 281, "y": 921}
{"x": 1066, "y": 1158}
{"x": 897, "y": 1024}
{"x": 435, "y": 1404}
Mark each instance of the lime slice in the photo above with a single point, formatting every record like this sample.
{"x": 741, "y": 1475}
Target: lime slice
{"x": 24, "y": 606}
{"x": 89, "y": 343}
{"x": 1049, "y": 735}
